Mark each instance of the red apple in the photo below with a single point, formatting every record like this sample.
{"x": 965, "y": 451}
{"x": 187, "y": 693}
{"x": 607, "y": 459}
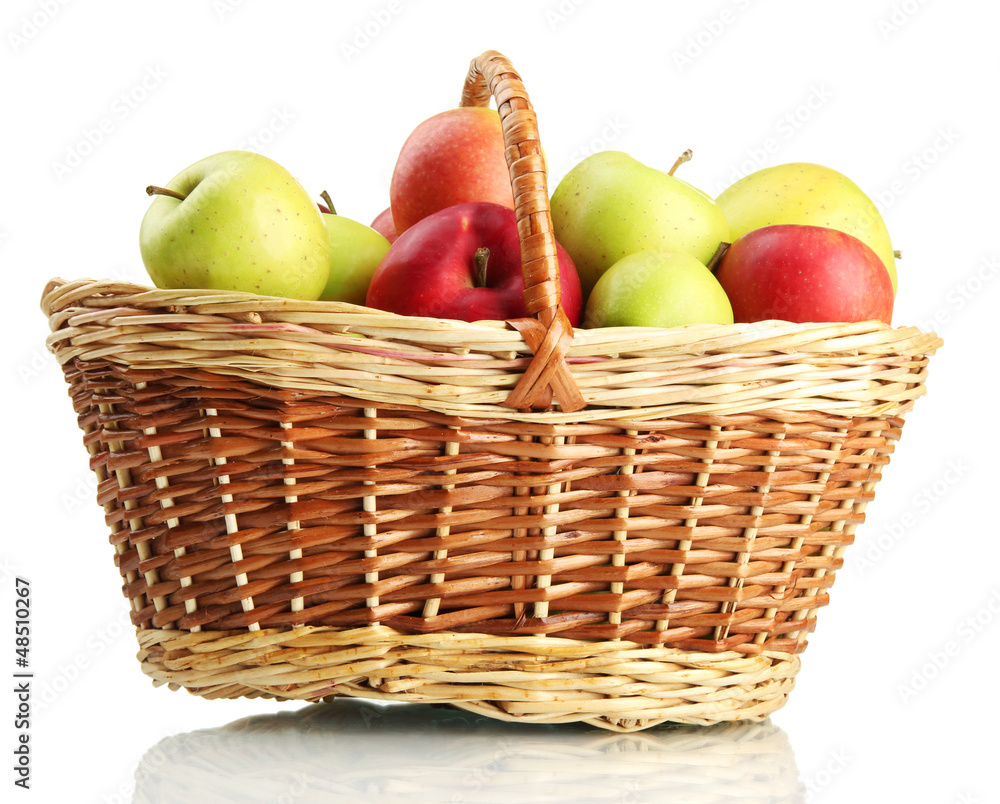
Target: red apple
{"x": 464, "y": 262}
{"x": 451, "y": 158}
{"x": 804, "y": 273}
{"x": 384, "y": 225}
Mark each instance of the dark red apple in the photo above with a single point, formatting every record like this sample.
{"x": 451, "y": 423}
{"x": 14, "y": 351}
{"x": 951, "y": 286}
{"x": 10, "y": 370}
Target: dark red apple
{"x": 464, "y": 262}
{"x": 454, "y": 157}
{"x": 384, "y": 225}
{"x": 804, "y": 274}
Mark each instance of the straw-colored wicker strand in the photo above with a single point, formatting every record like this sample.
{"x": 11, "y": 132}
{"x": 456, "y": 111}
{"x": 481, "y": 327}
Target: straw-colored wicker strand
{"x": 310, "y": 498}
{"x": 617, "y": 685}
{"x": 624, "y": 373}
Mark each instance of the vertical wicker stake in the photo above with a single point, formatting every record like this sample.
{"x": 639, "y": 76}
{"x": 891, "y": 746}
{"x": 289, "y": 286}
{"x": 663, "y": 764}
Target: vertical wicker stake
{"x": 788, "y": 566}
{"x": 684, "y": 545}
{"x": 684, "y": 593}
{"x": 93, "y": 448}
{"x": 296, "y": 553}
{"x": 433, "y": 604}
{"x": 369, "y": 504}
{"x": 124, "y": 478}
{"x": 618, "y": 558}
{"x": 749, "y": 537}
{"x": 156, "y": 457}
{"x": 236, "y": 550}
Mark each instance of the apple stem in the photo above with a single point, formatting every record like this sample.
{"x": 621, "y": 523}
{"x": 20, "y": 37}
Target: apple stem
{"x": 684, "y": 157}
{"x": 717, "y": 257}
{"x": 329, "y": 202}
{"x": 897, "y": 254}
{"x": 481, "y": 257}
{"x": 154, "y": 190}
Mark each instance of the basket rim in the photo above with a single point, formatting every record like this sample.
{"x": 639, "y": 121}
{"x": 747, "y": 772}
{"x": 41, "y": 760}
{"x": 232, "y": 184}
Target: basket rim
{"x": 60, "y": 295}
{"x": 467, "y": 369}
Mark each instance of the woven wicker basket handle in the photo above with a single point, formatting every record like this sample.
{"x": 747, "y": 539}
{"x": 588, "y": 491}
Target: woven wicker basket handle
{"x": 549, "y": 332}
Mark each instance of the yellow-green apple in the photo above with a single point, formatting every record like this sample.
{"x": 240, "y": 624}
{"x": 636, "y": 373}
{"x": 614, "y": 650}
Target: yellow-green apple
{"x": 236, "y": 220}
{"x": 657, "y": 288}
{"x": 454, "y": 157}
{"x": 808, "y": 194}
{"x": 611, "y": 205}
{"x": 800, "y": 273}
{"x": 464, "y": 262}
{"x": 355, "y": 252}
{"x": 384, "y": 225}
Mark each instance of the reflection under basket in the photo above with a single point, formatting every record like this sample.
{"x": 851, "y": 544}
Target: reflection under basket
{"x": 362, "y": 751}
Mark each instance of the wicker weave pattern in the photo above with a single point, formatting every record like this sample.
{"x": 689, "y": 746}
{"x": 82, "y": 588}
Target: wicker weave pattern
{"x": 302, "y": 470}
{"x": 238, "y": 504}
{"x": 619, "y": 686}
{"x": 468, "y": 370}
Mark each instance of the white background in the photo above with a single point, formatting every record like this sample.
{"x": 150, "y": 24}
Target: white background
{"x": 896, "y": 699}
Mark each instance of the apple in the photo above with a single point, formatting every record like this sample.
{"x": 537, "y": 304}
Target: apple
{"x": 355, "y": 252}
{"x": 810, "y": 194}
{"x": 464, "y": 262}
{"x": 657, "y": 288}
{"x": 236, "y": 220}
{"x": 611, "y": 205}
{"x": 384, "y": 225}
{"x": 801, "y": 273}
{"x": 454, "y": 157}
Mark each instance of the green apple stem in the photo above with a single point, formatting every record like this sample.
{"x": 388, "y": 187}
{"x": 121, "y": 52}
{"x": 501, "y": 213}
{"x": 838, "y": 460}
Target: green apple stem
{"x": 154, "y": 190}
{"x": 329, "y": 202}
{"x": 481, "y": 257}
{"x": 714, "y": 262}
{"x": 684, "y": 157}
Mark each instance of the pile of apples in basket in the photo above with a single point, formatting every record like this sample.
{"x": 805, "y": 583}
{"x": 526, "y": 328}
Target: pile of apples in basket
{"x": 636, "y": 246}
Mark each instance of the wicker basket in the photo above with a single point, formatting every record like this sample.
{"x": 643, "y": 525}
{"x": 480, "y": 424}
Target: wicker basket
{"x": 624, "y": 526}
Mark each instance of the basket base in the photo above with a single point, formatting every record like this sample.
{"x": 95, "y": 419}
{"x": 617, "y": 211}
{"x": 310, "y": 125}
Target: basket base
{"x": 616, "y": 685}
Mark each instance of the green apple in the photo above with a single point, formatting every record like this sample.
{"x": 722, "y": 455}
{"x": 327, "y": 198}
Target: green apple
{"x": 236, "y": 220}
{"x": 611, "y": 205}
{"x": 356, "y": 251}
{"x": 657, "y": 288}
{"x": 811, "y": 195}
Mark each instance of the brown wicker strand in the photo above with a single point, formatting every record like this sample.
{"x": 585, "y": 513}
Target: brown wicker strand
{"x": 620, "y": 526}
